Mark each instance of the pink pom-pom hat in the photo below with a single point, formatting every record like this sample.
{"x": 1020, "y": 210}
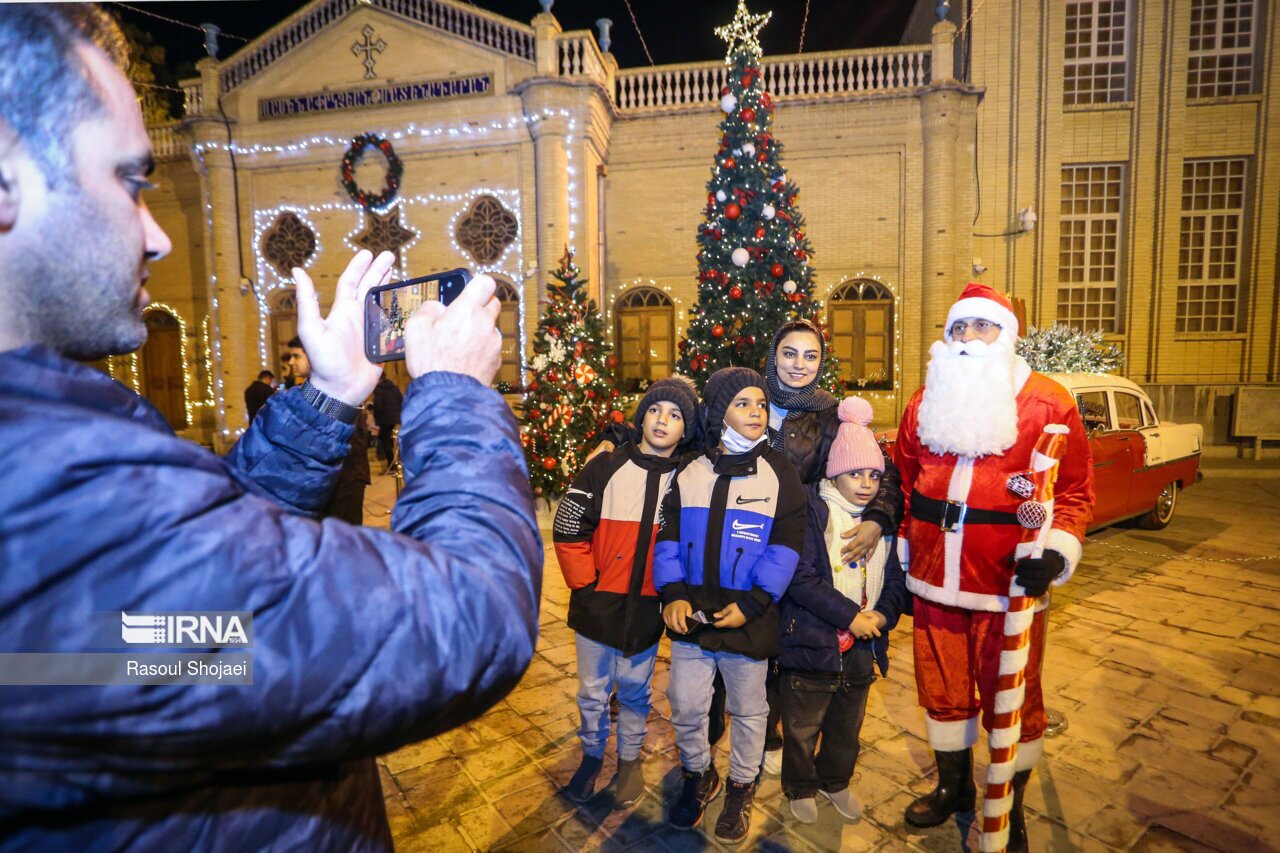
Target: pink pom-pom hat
{"x": 855, "y": 447}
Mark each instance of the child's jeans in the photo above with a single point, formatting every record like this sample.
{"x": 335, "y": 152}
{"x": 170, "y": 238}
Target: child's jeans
{"x": 693, "y": 668}
{"x": 830, "y": 705}
{"x": 600, "y": 667}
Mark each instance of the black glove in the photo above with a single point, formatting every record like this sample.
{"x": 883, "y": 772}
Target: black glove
{"x": 1034, "y": 574}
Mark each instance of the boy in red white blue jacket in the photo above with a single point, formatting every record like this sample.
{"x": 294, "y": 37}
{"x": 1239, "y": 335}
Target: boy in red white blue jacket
{"x": 604, "y": 533}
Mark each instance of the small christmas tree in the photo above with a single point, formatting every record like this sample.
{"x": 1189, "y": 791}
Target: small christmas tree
{"x": 570, "y": 395}
{"x": 1063, "y": 349}
{"x": 753, "y": 260}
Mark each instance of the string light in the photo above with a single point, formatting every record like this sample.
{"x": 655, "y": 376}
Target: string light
{"x": 133, "y": 372}
{"x": 182, "y": 340}
{"x": 743, "y": 32}
{"x": 677, "y": 303}
{"x": 889, "y": 395}
{"x": 448, "y": 133}
{"x": 208, "y": 361}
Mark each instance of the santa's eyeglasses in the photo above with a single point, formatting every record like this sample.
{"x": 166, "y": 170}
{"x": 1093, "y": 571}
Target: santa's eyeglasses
{"x": 980, "y": 327}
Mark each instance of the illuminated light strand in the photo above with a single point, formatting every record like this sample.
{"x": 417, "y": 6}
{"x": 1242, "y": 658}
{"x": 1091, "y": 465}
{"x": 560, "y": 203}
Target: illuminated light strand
{"x": 678, "y": 303}
{"x": 271, "y": 280}
{"x": 186, "y": 367}
{"x": 896, "y": 380}
{"x": 133, "y": 372}
{"x": 470, "y": 130}
{"x": 208, "y": 360}
{"x": 214, "y": 371}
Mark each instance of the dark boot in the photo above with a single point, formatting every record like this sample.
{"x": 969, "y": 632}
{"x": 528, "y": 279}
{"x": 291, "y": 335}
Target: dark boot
{"x": 1017, "y": 821}
{"x": 582, "y": 786}
{"x": 628, "y": 783}
{"x": 698, "y": 790}
{"x": 955, "y": 791}
{"x": 735, "y": 820}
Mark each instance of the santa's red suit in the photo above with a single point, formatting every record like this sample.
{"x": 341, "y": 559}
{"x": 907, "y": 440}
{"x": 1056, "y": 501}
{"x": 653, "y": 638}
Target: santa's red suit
{"x": 961, "y": 575}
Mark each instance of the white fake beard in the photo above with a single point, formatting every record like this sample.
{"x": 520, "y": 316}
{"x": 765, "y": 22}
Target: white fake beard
{"x": 969, "y": 406}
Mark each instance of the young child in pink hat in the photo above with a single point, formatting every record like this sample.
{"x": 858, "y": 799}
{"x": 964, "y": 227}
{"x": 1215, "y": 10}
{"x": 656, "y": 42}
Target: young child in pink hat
{"x": 835, "y": 626}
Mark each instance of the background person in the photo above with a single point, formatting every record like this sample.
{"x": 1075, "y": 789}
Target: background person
{"x": 346, "y": 501}
{"x": 363, "y": 640}
{"x": 258, "y": 392}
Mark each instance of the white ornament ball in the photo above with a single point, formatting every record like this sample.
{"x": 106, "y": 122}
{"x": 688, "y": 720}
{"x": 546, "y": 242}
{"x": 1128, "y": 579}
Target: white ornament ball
{"x": 767, "y": 211}
{"x": 749, "y": 150}
{"x": 737, "y": 152}
{"x": 740, "y": 257}
{"x": 720, "y": 196}
{"x": 788, "y": 286}
{"x": 728, "y": 103}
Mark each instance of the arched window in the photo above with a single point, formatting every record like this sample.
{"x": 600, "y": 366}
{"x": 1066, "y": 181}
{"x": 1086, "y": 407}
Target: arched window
{"x": 284, "y": 324}
{"x": 160, "y": 365}
{"x": 644, "y": 335}
{"x": 509, "y": 325}
{"x": 860, "y": 318}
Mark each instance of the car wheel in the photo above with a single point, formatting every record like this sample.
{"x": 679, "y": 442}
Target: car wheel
{"x": 1162, "y": 513}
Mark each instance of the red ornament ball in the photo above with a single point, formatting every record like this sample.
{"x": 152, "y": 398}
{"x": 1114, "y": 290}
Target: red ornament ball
{"x": 533, "y": 386}
{"x": 616, "y": 416}
{"x": 611, "y": 362}
{"x": 779, "y": 186}
{"x": 735, "y": 292}
{"x": 800, "y": 254}
{"x": 762, "y": 157}
{"x": 748, "y": 114}
{"x": 730, "y": 163}
{"x": 591, "y": 395}
{"x": 724, "y": 90}
{"x": 717, "y": 331}
{"x": 549, "y": 462}
{"x": 733, "y": 210}
{"x": 760, "y": 233}
{"x": 711, "y": 199}
{"x": 776, "y": 271}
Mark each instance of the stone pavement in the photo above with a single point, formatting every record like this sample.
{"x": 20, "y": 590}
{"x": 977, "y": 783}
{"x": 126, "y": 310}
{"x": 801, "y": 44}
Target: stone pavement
{"x": 1164, "y": 654}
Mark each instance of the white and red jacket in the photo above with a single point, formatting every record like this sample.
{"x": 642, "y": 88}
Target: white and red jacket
{"x": 971, "y": 566}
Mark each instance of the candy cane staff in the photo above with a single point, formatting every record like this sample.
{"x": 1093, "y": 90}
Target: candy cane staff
{"x": 1036, "y": 515}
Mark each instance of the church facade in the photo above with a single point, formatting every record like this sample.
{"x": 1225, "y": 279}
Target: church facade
{"x": 456, "y": 137}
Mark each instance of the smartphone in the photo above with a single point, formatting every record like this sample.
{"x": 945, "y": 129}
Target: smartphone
{"x": 389, "y": 306}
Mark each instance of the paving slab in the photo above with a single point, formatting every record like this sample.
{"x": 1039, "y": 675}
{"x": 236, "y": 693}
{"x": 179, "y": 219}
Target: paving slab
{"x": 1164, "y": 654}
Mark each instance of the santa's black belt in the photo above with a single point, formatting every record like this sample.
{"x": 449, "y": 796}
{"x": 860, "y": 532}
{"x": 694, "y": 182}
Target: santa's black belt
{"x": 952, "y": 515}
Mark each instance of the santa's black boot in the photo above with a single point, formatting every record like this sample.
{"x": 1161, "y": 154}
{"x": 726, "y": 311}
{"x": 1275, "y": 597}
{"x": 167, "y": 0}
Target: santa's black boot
{"x": 955, "y": 792}
{"x": 1017, "y": 821}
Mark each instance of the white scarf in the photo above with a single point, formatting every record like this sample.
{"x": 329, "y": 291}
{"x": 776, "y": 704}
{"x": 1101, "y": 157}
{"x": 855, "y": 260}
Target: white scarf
{"x": 851, "y": 584}
{"x": 735, "y": 442}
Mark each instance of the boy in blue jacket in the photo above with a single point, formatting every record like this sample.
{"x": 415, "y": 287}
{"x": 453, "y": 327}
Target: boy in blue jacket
{"x": 835, "y": 623}
{"x": 733, "y": 524}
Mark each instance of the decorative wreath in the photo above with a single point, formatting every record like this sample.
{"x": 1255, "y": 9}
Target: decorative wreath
{"x": 395, "y": 170}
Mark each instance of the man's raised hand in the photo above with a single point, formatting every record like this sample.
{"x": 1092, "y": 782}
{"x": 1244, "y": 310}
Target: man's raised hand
{"x": 335, "y": 344}
{"x": 462, "y": 338}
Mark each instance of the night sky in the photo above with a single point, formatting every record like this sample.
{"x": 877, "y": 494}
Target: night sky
{"x": 675, "y": 30}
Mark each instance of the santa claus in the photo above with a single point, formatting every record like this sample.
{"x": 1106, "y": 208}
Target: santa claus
{"x": 964, "y": 439}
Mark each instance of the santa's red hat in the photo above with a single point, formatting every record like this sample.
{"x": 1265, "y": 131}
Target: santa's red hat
{"x": 982, "y": 302}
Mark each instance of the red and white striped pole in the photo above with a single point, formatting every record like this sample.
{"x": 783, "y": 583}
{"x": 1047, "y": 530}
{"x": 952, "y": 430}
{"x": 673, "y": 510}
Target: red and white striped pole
{"x": 1036, "y": 514}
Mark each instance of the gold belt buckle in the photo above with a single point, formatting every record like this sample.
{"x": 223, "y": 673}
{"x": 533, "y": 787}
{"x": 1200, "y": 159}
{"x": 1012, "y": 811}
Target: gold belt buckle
{"x": 959, "y": 522}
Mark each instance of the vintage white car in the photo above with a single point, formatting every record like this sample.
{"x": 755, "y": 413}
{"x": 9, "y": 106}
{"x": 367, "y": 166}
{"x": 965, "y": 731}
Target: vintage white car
{"x": 1139, "y": 463}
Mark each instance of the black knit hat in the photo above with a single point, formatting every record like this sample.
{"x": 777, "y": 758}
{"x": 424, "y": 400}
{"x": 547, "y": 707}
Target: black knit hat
{"x": 674, "y": 389}
{"x": 725, "y": 384}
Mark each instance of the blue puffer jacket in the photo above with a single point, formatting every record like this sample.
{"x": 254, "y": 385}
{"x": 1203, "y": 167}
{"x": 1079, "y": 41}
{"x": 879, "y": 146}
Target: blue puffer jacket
{"x": 363, "y": 640}
{"x": 813, "y": 610}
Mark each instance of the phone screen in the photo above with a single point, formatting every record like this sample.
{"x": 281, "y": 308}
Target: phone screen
{"x": 388, "y": 308}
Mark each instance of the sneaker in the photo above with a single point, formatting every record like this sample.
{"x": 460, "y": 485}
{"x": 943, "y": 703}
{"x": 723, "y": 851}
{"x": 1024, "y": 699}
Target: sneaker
{"x": 582, "y": 786}
{"x": 735, "y": 820}
{"x": 628, "y": 783}
{"x": 773, "y": 762}
{"x": 698, "y": 790}
{"x": 846, "y": 802}
{"x": 805, "y": 809}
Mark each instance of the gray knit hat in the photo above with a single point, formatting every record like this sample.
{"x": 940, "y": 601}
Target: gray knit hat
{"x": 725, "y": 384}
{"x": 673, "y": 389}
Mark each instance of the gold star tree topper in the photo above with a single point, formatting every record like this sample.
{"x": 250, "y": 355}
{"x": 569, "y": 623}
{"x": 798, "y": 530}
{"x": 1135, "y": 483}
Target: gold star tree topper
{"x": 743, "y": 32}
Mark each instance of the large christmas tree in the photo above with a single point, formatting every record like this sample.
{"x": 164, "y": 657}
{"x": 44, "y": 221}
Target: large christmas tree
{"x": 753, "y": 260}
{"x": 570, "y": 394}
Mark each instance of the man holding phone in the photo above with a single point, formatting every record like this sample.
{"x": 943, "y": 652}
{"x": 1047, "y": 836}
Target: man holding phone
{"x": 363, "y": 640}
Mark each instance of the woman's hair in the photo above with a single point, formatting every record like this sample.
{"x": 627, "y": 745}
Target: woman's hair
{"x": 798, "y": 326}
